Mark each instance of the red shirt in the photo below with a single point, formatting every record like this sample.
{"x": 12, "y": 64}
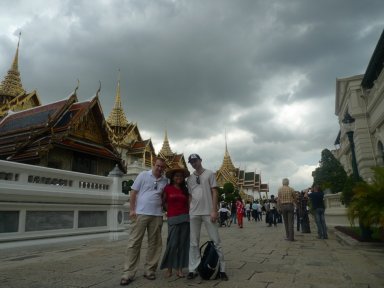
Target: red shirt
{"x": 177, "y": 201}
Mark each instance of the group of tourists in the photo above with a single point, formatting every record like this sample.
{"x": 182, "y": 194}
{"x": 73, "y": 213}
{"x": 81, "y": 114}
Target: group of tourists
{"x": 190, "y": 200}
{"x": 288, "y": 201}
{"x": 293, "y": 204}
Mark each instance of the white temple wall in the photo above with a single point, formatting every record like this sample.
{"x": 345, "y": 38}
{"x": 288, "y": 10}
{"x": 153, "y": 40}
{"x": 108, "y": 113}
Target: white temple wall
{"x": 38, "y": 202}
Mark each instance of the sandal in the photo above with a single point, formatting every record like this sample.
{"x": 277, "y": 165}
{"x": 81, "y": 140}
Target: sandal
{"x": 168, "y": 274}
{"x": 125, "y": 281}
{"x": 180, "y": 274}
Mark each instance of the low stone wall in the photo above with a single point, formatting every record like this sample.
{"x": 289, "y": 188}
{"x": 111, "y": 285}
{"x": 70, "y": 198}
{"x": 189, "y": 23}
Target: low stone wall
{"x": 38, "y": 202}
{"x": 335, "y": 211}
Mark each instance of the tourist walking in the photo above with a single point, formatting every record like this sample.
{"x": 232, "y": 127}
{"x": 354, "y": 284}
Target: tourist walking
{"x": 302, "y": 203}
{"x": 240, "y": 212}
{"x": 266, "y": 206}
{"x": 259, "y": 211}
{"x": 248, "y": 210}
{"x": 255, "y": 215}
{"x": 272, "y": 215}
{"x": 286, "y": 199}
{"x": 203, "y": 192}
{"x": 176, "y": 203}
{"x": 317, "y": 200}
{"x": 146, "y": 214}
{"x": 233, "y": 212}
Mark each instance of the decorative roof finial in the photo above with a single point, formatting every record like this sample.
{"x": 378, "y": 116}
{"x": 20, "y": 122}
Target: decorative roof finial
{"x": 225, "y": 135}
{"x": 77, "y": 87}
{"x": 15, "y": 64}
{"x": 98, "y": 90}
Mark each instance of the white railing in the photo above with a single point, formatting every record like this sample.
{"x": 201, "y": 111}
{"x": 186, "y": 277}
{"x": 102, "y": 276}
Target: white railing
{"x": 38, "y": 202}
{"x": 335, "y": 210}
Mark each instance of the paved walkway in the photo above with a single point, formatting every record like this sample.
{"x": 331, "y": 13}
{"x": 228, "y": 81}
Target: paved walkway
{"x": 257, "y": 256}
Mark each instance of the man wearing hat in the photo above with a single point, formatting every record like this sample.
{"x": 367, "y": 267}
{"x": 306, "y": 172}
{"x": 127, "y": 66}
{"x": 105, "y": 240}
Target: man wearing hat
{"x": 202, "y": 209}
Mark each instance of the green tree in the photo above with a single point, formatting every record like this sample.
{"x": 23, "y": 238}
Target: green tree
{"x": 230, "y": 192}
{"x": 126, "y": 186}
{"x": 330, "y": 174}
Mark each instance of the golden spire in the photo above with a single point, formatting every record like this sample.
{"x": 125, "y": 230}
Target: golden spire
{"x": 117, "y": 117}
{"x": 227, "y": 161}
{"x": 11, "y": 85}
{"x": 166, "y": 149}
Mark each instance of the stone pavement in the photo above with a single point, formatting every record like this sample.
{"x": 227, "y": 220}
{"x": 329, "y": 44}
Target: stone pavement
{"x": 257, "y": 256}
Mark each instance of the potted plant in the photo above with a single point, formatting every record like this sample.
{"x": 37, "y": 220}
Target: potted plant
{"x": 367, "y": 203}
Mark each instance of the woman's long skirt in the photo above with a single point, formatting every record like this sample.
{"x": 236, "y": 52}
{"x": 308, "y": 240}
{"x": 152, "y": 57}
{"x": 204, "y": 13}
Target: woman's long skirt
{"x": 176, "y": 253}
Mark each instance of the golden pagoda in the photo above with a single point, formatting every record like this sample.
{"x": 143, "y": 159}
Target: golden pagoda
{"x": 247, "y": 183}
{"x": 13, "y": 97}
{"x": 165, "y": 150}
{"x": 126, "y": 138}
{"x": 227, "y": 172}
{"x": 172, "y": 159}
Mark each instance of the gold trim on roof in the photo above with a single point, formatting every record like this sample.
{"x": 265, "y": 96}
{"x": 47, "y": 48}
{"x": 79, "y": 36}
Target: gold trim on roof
{"x": 20, "y": 103}
{"x": 11, "y": 85}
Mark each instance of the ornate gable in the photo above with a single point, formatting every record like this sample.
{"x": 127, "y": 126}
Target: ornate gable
{"x": 87, "y": 128}
{"x": 20, "y": 103}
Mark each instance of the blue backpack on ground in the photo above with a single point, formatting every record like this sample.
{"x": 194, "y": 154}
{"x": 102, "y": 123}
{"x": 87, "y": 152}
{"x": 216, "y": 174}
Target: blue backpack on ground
{"x": 209, "y": 265}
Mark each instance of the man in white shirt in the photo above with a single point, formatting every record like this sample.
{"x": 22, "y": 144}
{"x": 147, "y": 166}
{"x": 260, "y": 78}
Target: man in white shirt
{"x": 146, "y": 214}
{"x": 202, "y": 209}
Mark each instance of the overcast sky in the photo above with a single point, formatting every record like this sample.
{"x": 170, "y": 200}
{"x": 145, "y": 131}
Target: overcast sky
{"x": 263, "y": 71}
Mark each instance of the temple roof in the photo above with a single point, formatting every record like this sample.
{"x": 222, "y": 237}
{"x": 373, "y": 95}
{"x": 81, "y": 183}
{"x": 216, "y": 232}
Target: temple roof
{"x": 375, "y": 65}
{"x": 20, "y": 102}
{"x": 140, "y": 146}
{"x": 11, "y": 85}
{"x": 25, "y": 134}
{"x": 264, "y": 187}
{"x": 33, "y": 118}
{"x": 249, "y": 178}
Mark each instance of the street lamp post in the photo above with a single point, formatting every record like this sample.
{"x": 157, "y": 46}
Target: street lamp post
{"x": 349, "y": 125}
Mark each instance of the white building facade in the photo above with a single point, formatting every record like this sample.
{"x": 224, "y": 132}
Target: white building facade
{"x": 362, "y": 96}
